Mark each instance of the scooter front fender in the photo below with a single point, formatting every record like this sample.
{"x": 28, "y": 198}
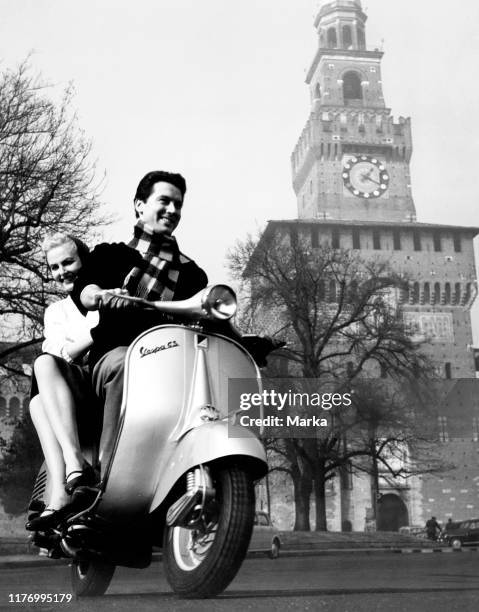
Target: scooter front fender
{"x": 206, "y": 443}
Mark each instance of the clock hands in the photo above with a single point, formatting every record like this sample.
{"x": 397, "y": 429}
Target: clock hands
{"x": 366, "y": 176}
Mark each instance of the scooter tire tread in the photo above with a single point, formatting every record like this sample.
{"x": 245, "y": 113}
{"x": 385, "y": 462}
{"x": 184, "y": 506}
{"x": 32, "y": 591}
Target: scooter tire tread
{"x": 231, "y": 542}
{"x": 96, "y": 580}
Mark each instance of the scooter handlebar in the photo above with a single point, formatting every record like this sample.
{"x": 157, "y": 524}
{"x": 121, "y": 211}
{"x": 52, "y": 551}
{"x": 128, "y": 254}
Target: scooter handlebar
{"x": 213, "y": 302}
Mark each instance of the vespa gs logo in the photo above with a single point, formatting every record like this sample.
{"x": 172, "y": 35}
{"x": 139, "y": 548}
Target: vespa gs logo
{"x": 145, "y": 351}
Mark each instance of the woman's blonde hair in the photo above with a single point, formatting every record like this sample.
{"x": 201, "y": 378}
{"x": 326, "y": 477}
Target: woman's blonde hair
{"x": 59, "y": 238}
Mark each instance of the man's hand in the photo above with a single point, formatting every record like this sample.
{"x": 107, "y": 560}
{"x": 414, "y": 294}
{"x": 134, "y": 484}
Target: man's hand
{"x": 92, "y": 296}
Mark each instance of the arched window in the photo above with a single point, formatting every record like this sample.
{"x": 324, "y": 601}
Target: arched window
{"x": 332, "y": 291}
{"x": 427, "y": 293}
{"x": 415, "y": 293}
{"x": 3, "y": 406}
{"x": 352, "y": 89}
{"x": 347, "y": 37}
{"x": 447, "y": 293}
{"x": 353, "y": 291}
{"x": 14, "y": 406}
{"x": 437, "y": 293}
{"x": 317, "y": 92}
{"x": 332, "y": 38}
{"x": 467, "y": 297}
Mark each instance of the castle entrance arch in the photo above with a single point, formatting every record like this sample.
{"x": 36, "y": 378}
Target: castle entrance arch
{"x": 392, "y": 513}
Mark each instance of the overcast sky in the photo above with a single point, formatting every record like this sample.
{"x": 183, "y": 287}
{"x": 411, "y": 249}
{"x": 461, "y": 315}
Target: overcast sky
{"x": 215, "y": 89}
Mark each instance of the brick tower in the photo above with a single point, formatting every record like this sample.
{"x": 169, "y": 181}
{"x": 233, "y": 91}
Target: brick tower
{"x": 352, "y": 159}
{"x": 351, "y": 177}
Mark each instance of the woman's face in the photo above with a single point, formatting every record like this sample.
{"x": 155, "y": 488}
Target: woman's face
{"x": 64, "y": 263}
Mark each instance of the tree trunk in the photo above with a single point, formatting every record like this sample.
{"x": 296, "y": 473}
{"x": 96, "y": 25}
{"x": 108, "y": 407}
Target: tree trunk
{"x": 320, "y": 498}
{"x": 302, "y": 493}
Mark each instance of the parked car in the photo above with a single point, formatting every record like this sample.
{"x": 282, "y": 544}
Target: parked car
{"x": 265, "y": 537}
{"x": 464, "y": 533}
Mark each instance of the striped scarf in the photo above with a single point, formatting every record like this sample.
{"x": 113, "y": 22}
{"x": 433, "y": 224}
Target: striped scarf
{"x": 156, "y": 280}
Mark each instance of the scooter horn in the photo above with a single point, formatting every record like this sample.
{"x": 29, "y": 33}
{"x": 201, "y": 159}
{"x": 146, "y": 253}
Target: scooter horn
{"x": 215, "y": 302}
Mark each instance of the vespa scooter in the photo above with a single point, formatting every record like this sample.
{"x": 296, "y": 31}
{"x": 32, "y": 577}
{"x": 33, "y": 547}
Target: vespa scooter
{"x": 181, "y": 475}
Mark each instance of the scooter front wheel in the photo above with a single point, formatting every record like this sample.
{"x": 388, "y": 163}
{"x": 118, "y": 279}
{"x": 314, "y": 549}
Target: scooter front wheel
{"x": 202, "y": 562}
{"x": 91, "y": 578}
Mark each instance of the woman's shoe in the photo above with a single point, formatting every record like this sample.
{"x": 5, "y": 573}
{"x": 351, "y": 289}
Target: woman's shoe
{"x": 45, "y": 521}
{"x": 86, "y": 478}
{"x": 37, "y": 505}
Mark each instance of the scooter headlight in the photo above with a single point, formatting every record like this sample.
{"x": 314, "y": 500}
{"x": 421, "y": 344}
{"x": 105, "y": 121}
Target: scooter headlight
{"x": 220, "y": 302}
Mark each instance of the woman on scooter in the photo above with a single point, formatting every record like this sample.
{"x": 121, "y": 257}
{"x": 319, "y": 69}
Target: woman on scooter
{"x": 61, "y": 383}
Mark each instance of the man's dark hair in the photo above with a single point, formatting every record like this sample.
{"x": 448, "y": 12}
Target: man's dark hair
{"x": 143, "y": 191}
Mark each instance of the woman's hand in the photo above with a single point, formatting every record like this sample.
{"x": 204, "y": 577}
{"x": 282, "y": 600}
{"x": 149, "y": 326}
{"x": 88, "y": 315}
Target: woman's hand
{"x": 93, "y": 296}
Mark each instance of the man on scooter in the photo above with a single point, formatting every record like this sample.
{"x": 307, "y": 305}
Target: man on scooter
{"x": 151, "y": 266}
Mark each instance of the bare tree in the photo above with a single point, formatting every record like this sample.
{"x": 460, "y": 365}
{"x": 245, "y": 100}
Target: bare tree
{"x": 47, "y": 184}
{"x": 341, "y": 317}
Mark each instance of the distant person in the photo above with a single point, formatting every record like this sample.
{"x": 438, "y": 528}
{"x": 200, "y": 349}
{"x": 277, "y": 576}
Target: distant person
{"x": 449, "y": 525}
{"x": 432, "y": 528}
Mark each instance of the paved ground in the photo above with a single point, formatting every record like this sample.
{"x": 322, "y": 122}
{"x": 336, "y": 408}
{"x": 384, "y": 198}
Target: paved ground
{"x": 341, "y": 582}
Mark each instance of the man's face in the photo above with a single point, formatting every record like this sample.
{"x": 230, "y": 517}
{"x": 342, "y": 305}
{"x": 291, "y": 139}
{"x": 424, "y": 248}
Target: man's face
{"x": 162, "y": 210}
{"x": 64, "y": 263}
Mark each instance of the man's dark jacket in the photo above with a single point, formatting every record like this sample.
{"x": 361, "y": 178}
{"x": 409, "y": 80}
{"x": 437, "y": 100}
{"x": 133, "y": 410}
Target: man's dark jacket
{"x": 107, "y": 266}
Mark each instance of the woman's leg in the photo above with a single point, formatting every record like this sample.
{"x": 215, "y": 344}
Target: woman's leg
{"x": 59, "y": 406}
{"x": 53, "y": 454}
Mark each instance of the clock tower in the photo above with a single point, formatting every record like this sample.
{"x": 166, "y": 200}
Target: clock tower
{"x": 352, "y": 159}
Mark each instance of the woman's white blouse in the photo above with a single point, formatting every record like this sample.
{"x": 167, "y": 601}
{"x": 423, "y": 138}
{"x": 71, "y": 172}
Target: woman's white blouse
{"x": 65, "y": 323}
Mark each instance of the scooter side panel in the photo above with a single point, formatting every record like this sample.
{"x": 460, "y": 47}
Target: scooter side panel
{"x": 157, "y": 365}
{"x": 171, "y": 373}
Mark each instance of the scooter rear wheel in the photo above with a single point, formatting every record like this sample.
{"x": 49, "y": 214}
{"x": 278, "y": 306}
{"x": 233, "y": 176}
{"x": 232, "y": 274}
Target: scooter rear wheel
{"x": 202, "y": 563}
{"x": 91, "y": 578}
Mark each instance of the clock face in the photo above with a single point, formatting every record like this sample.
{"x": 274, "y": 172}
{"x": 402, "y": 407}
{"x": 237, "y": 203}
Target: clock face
{"x": 365, "y": 177}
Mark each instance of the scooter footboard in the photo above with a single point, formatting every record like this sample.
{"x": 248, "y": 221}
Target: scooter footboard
{"x": 206, "y": 443}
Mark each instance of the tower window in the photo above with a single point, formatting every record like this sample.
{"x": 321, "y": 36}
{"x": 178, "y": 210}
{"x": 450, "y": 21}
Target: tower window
{"x": 376, "y": 240}
{"x": 347, "y": 37}
{"x": 332, "y": 291}
{"x": 332, "y": 38}
{"x": 317, "y": 91}
{"x": 414, "y": 296}
{"x": 349, "y": 369}
{"x": 416, "y": 237}
{"x": 437, "y": 293}
{"x": 447, "y": 293}
{"x": 447, "y": 370}
{"x": 356, "y": 238}
{"x": 397, "y": 240}
{"x": 436, "y": 238}
{"x": 457, "y": 243}
{"x": 335, "y": 238}
{"x": 352, "y": 89}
